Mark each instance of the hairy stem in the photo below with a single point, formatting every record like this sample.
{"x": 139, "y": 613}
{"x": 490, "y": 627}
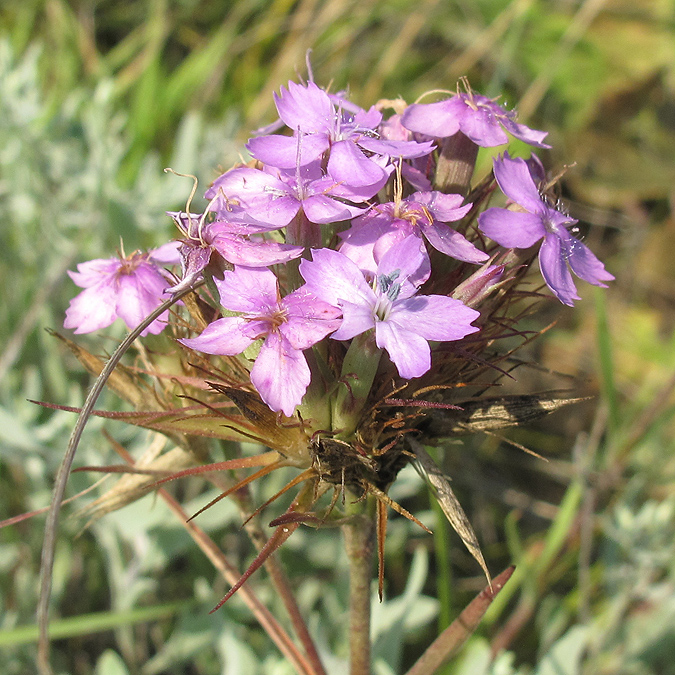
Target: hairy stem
{"x": 359, "y": 542}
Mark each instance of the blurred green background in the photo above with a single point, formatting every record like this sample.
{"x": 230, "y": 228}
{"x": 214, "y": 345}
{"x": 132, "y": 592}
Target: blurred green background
{"x": 96, "y": 98}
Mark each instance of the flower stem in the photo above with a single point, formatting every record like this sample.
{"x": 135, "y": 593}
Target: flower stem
{"x": 456, "y": 164}
{"x": 359, "y": 543}
{"x": 358, "y": 373}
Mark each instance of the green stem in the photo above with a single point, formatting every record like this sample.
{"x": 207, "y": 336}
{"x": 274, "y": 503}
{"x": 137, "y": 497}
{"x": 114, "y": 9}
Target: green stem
{"x": 358, "y": 372}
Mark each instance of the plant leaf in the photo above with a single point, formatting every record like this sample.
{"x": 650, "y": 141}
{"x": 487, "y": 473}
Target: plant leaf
{"x": 449, "y": 503}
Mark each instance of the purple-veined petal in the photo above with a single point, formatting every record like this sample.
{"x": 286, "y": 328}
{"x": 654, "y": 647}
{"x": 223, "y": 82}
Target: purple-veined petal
{"x": 405, "y": 149}
{"x": 91, "y": 272}
{"x": 248, "y": 289}
{"x": 409, "y": 352}
{"x": 482, "y": 126}
{"x": 253, "y": 196}
{"x": 254, "y": 252}
{"x": 280, "y": 374}
{"x": 435, "y": 317}
{"x": 415, "y": 177}
{"x": 443, "y": 207}
{"x": 516, "y": 183}
{"x": 309, "y": 319}
{"x": 398, "y": 231}
{"x": 525, "y": 134}
{"x": 360, "y": 240}
{"x": 512, "y": 229}
{"x": 139, "y": 294}
{"x": 306, "y": 108}
{"x": 333, "y": 277}
{"x": 553, "y": 266}
{"x": 323, "y": 209}
{"x": 368, "y": 119}
{"x": 224, "y": 337}
{"x": 446, "y": 240}
{"x": 433, "y": 119}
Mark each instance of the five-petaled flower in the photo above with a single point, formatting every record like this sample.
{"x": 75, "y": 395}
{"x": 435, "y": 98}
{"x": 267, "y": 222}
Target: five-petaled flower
{"x": 128, "y": 287}
{"x": 403, "y": 321}
{"x": 537, "y": 220}
{"x": 477, "y": 117}
{"x": 288, "y": 326}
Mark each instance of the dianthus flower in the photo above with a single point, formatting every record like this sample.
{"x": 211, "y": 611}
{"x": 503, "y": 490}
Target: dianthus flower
{"x": 351, "y": 138}
{"x": 258, "y": 198}
{"x": 236, "y": 243}
{"x": 403, "y": 322}
{"x": 477, "y": 117}
{"x": 537, "y": 220}
{"x": 423, "y": 214}
{"x": 128, "y": 288}
{"x": 288, "y": 326}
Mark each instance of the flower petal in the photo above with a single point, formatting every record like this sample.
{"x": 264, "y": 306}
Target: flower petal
{"x": 410, "y": 259}
{"x": 92, "y": 272}
{"x": 446, "y": 208}
{"x": 481, "y": 125}
{"x": 333, "y": 277}
{"x": 93, "y": 309}
{"x": 516, "y": 182}
{"x": 139, "y": 294}
{"x": 280, "y": 374}
{"x": 435, "y": 317}
{"x": 356, "y": 319}
{"x": 584, "y": 263}
{"x": 409, "y": 351}
{"x": 254, "y": 252}
{"x": 306, "y": 108}
{"x": 248, "y": 289}
{"x": 446, "y": 240}
{"x": 348, "y": 165}
{"x": 253, "y": 196}
{"x": 553, "y": 266}
{"x": 405, "y": 149}
{"x": 433, "y": 119}
{"x": 323, "y": 209}
{"x": 287, "y": 152}
{"x": 512, "y": 229}
{"x": 224, "y": 336}
{"x": 309, "y": 319}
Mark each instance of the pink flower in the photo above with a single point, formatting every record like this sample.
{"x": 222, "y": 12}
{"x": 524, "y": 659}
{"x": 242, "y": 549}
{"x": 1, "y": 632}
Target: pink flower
{"x": 535, "y": 221}
{"x": 478, "y": 117}
{"x": 288, "y": 325}
{"x": 128, "y": 288}
{"x": 403, "y": 321}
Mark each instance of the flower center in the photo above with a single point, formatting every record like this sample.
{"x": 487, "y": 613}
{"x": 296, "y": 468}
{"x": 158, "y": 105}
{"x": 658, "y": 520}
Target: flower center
{"x": 131, "y": 263}
{"x": 388, "y": 291}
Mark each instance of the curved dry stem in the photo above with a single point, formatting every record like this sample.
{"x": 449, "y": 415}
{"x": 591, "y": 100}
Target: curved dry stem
{"x": 454, "y": 636}
{"x": 51, "y": 526}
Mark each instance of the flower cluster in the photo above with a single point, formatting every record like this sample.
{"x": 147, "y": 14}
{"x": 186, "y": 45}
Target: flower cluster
{"x": 332, "y": 193}
{"x": 339, "y": 290}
